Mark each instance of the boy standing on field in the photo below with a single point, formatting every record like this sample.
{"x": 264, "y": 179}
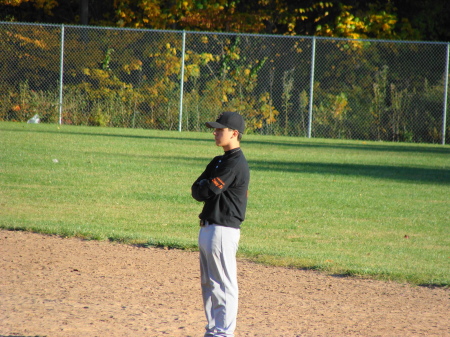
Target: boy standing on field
{"x": 223, "y": 187}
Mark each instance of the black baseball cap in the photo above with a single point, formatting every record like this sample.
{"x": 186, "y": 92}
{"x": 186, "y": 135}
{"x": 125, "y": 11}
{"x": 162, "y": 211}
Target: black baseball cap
{"x": 230, "y": 120}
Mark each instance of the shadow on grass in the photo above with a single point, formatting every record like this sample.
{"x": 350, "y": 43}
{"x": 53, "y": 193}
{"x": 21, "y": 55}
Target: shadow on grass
{"x": 399, "y": 173}
{"x": 388, "y": 172}
{"x": 299, "y": 142}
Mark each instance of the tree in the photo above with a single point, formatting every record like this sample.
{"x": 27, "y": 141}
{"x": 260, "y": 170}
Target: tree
{"x": 372, "y": 21}
{"x": 100, "y": 13}
{"x": 428, "y": 17}
{"x": 395, "y": 19}
{"x": 84, "y": 12}
{"x": 251, "y": 16}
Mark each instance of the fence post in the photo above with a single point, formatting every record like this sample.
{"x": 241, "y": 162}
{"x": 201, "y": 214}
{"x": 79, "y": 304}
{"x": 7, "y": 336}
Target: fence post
{"x": 180, "y": 117}
{"x": 61, "y": 70}
{"x": 444, "y": 114}
{"x": 311, "y": 88}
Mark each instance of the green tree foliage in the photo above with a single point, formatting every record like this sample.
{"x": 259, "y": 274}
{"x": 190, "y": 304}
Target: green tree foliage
{"x": 392, "y": 19}
{"x": 377, "y": 21}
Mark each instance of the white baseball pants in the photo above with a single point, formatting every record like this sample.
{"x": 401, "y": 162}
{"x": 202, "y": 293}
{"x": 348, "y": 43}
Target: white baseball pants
{"x": 218, "y": 270}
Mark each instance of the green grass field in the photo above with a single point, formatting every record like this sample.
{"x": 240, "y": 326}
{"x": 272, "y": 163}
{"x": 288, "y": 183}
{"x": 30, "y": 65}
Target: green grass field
{"x": 371, "y": 209}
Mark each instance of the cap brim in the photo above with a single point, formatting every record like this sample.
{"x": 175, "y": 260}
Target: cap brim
{"x": 215, "y": 125}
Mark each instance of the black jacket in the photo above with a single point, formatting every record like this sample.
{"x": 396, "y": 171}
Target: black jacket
{"x": 223, "y": 187}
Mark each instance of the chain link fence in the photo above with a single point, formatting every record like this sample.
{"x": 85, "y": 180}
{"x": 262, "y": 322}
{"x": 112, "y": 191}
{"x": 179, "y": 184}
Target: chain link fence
{"x": 173, "y": 80}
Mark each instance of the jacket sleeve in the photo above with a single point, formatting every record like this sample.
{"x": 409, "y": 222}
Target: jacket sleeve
{"x": 200, "y": 189}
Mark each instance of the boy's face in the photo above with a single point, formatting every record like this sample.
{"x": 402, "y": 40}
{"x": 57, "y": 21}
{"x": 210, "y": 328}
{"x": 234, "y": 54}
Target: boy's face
{"x": 223, "y": 137}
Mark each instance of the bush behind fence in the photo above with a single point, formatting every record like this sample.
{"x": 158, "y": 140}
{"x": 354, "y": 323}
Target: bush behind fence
{"x": 172, "y": 80}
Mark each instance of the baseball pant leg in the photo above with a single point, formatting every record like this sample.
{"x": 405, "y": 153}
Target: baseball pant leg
{"x": 218, "y": 247}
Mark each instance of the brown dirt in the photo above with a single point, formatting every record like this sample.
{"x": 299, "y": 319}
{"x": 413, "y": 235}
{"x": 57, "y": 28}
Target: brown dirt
{"x": 53, "y": 287}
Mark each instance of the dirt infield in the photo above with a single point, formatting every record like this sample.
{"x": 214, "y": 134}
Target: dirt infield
{"x": 53, "y": 287}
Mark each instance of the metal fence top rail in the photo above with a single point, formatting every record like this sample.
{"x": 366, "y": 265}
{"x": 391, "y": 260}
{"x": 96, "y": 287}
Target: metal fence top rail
{"x": 226, "y": 33}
